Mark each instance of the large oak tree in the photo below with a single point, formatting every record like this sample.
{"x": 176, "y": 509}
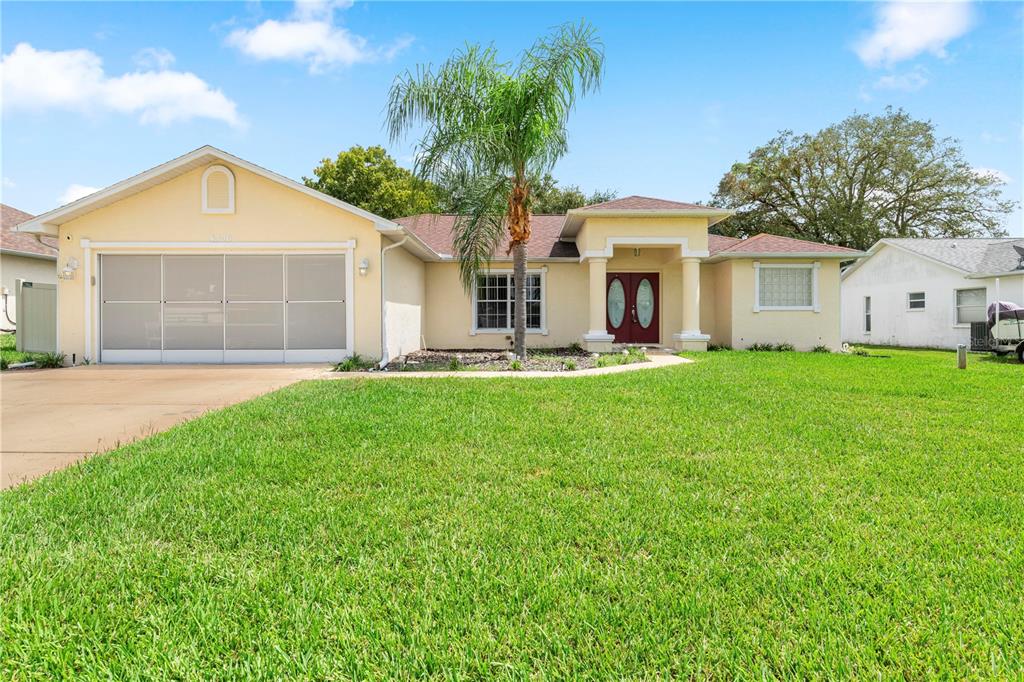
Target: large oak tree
{"x": 860, "y": 180}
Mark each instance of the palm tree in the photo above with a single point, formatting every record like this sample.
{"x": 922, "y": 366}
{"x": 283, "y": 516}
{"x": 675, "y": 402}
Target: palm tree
{"x": 491, "y": 132}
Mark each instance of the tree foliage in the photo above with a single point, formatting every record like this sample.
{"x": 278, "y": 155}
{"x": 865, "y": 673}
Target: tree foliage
{"x": 863, "y": 179}
{"x": 492, "y": 132}
{"x": 369, "y": 178}
{"x": 549, "y": 198}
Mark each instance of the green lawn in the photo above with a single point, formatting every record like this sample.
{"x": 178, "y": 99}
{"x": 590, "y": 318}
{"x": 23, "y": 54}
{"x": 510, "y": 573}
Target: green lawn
{"x": 752, "y": 515}
{"x": 7, "y": 351}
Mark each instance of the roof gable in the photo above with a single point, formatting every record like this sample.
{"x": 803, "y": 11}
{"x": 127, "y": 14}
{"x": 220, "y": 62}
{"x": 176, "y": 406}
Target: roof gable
{"x": 50, "y": 221}
{"x": 971, "y": 257}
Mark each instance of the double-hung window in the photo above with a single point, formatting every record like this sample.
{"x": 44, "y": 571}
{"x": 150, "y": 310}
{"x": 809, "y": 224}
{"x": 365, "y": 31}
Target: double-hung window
{"x": 970, "y": 305}
{"x": 494, "y": 302}
{"x": 915, "y": 300}
{"x": 867, "y": 314}
{"x": 786, "y": 287}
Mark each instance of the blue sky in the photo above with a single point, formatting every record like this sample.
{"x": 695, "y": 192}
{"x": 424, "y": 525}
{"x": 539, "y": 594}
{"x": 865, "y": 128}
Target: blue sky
{"x": 95, "y": 92}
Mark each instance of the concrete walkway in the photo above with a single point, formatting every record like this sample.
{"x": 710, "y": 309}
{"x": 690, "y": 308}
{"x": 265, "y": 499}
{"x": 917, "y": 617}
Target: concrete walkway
{"x": 51, "y": 418}
{"x": 657, "y": 360}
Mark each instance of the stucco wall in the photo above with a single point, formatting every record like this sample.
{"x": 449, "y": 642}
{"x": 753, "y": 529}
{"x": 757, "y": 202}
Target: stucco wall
{"x": 449, "y": 308}
{"x": 266, "y": 211}
{"x": 14, "y": 267}
{"x": 803, "y": 328}
{"x": 404, "y": 301}
{"x": 888, "y": 276}
{"x": 718, "y": 325}
{"x": 595, "y": 232}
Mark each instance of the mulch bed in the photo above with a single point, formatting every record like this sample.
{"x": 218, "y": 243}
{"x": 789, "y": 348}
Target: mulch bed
{"x": 547, "y": 359}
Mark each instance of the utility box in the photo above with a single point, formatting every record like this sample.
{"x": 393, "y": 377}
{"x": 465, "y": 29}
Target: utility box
{"x": 36, "y": 331}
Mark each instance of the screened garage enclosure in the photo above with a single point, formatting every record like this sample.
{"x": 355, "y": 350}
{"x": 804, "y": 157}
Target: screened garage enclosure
{"x": 222, "y": 308}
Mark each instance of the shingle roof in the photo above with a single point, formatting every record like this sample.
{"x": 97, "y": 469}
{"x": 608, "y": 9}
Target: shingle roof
{"x": 436, "y": 232}
{"x": 773, "y": 243}
{"x": 22, "y": 242}
{"x": 969, "y": 255}
{"x": 639, "y": 203}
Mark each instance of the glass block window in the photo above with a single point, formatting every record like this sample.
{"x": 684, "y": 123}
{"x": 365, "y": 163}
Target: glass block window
{"x": 915, "y": 300}
{"x": 786, "y": 287}
{"x": 495, "y": 302}
{"x": 970, "y": 306}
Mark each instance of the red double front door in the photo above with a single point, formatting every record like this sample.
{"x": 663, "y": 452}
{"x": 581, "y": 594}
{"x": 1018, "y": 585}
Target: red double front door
{"x": 632, "y": 306}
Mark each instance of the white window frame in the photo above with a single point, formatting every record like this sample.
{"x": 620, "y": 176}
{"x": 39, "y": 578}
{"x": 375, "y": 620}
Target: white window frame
{"x": 217, "y": 168}
{"x": 924, "y": 300}
{"x": 543, "y": 331}
{"x": 868, "y": 317}
{"x": 815, "y": 306}
{"x": 956, "y": 306}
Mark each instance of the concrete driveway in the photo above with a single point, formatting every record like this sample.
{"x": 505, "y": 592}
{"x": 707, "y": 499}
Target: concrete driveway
{"x": 51, "y": 418}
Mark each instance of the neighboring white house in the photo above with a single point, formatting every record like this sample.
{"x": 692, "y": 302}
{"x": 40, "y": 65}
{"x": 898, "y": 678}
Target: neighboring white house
{"x": 22, "y": 256}
{"x": 927, "y": 292}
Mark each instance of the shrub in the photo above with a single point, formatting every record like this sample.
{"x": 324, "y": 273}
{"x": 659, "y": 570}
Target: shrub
{"x": 575, "y": 348}
{"x": 761, "y": 347}
{"x": 626, "y": 357}
{"x": 859, "y": 351}
{"x": 570, "y": 365}
{"x": 454, "y": 365}
{"x": 712, "y": 347}
{"x": 50, "y": 360}
{"x": 784, "y": 347}
{"x": 354, "y": 363}
{"x": 3, "y": 364}
{"x": 822, "y": 348}
{"x": 516, "y": 365}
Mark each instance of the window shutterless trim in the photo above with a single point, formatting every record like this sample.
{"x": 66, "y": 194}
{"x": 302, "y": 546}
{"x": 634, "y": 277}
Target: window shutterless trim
{"x": 815, "y": 267}
{"x": 542, "y": 330}
{"x": 924, "y": 301}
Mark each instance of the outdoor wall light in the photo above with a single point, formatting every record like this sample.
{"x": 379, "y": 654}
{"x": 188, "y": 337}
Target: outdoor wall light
{"x": 364, "y": 265}
{"x": 68, "y": 271}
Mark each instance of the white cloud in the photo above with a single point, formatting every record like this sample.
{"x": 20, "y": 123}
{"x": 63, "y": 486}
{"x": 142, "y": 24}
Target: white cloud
{"x": 75, "y": 192}
{"x": 991, "y": 172}
{"x": 907, "y": 82}
{"x": 154, "y": 58}
{"x": 75, "y": 80}
{"x": 904, "y": 30}
{"x": 310, "y": 35}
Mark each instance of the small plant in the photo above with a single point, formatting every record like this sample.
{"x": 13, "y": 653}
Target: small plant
{"x": 575, "y": 348}
{"x": 712, "y": 347}
{"x": 353, "y": 363}
{"x": 50, "y": 360}
{"x": 859, "y": 351}
{"x": 454, "y": 365}
{"x": 627, "y": 357}
{"x": 821, "y": 348}
{"x": 3, "y": 364}
{"x": 784, "y": 347}
{"x": 761, "y": 347}
{"x": 516, "y": 365}
{"x": 570, "y": 365}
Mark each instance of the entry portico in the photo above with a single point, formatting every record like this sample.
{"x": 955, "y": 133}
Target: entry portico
{"x": 612, "y": 237}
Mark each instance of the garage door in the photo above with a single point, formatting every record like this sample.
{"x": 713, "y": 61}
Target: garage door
{"x": 222, "y": 308}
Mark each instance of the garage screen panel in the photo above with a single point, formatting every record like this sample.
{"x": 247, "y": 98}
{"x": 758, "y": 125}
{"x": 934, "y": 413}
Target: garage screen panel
{"x": 255, "y": 302}
{"x": 315, "y": 302}
{"x": 130, "y": 309}
{"x": 193, "y": 303}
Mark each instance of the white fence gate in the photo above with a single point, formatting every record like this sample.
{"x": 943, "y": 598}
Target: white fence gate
{"x": 36, "y": 317}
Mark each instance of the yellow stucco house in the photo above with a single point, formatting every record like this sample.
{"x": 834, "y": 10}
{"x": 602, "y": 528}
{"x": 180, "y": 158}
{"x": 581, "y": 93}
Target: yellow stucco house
{"x": 210, "y": 258}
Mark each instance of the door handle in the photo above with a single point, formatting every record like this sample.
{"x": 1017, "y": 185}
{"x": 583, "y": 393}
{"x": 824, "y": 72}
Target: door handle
{"x": 633, "y": 312}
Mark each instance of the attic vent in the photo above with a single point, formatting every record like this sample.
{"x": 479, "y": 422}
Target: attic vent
{"x": 218, "y": 190}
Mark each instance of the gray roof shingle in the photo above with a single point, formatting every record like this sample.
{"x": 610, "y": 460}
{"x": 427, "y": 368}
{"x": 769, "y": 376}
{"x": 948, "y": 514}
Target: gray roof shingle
{"x": 970, "y": 255}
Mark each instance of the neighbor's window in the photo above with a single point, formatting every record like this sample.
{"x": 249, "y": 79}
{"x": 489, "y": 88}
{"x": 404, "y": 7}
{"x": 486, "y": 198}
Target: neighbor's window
{"x": 867, "y": 314}
{"x": 970, "y": 306}
{"x": 915, "y": 300}
{"x": 786, "y": 287}
{"x": 495, "y": 302}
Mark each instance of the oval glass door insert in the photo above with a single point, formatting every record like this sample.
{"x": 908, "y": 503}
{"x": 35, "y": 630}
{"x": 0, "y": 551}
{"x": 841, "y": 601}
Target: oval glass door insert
{"x": 645, "y": 303}
{"x": 616, "y": 303}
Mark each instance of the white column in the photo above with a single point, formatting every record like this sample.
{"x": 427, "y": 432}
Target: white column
{"x": 691, "y": 296}
{"x": 597, "y": 337}
{"x": 691, "y": 337}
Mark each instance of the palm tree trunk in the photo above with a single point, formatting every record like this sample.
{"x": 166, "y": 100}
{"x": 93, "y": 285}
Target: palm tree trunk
{"x": 519, "y": 272}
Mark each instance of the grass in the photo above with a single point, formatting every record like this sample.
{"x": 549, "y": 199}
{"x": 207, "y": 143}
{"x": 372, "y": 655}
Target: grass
{"x": 753, "y": 515}
{"x": 10, "y": 356}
